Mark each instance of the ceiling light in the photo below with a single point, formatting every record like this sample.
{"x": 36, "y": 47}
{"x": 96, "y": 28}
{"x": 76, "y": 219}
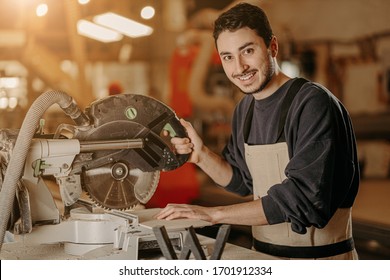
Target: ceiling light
{"x": 83, "y": 2}
{"x": 123, "y": 25}
{"x": 12, "y": 102}
{"x": 147, "y": 12}
{"x": 9, "y": 82}
{"x": 3, "y": 102}
{"x": 97, "y": 32}
{"x": 41, "y": 10}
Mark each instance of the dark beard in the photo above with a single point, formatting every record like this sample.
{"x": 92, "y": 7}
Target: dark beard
{"x": 268, "y": 76}
{"x": 262, "y": 86}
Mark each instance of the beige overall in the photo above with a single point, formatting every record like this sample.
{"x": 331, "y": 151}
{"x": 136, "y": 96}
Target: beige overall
{"x": 266, "y": 164}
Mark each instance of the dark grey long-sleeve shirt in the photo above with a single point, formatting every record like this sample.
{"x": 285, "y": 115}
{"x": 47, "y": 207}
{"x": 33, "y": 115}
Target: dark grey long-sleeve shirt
{"x": 322, "y": 174}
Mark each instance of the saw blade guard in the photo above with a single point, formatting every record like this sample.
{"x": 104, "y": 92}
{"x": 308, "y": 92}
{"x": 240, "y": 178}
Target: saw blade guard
{"x": 133, "y": 116}
{"x": 123, "y": 178}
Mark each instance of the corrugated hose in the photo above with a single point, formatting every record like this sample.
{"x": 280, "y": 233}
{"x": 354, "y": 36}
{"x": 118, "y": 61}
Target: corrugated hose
{"x": 14, "y": 171}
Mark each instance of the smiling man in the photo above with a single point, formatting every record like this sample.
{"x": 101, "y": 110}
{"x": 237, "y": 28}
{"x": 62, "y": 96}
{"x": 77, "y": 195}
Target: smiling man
{"x": 292, "y": 146}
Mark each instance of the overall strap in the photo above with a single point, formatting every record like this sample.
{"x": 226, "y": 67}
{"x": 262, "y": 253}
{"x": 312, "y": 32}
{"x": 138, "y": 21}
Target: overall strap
{"x": 248, "y": 120}
{"x": 288, "y": 99}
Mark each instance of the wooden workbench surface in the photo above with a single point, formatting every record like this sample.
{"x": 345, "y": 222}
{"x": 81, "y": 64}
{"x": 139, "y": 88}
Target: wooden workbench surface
{"x": 19, "y": 251}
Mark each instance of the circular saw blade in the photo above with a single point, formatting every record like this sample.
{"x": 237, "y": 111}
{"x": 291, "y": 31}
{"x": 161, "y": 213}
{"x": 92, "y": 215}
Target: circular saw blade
{"x": 121, "y": 180}
{"x": 116, "y": 186}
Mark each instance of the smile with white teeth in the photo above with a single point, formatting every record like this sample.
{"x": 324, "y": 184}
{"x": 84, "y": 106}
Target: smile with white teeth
{"x": 246, "y": 76}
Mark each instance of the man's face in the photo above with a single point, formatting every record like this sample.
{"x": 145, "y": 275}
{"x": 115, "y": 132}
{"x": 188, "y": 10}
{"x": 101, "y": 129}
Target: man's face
{"x": 246, "y": 60}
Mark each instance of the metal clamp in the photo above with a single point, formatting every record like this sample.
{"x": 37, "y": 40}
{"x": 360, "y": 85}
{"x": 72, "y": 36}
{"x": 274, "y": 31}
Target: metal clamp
{"x": 191, "y": 244}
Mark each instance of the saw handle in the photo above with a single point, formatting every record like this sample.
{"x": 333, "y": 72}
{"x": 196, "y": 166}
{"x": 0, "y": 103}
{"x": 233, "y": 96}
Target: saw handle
{"x": 176, "y": 129}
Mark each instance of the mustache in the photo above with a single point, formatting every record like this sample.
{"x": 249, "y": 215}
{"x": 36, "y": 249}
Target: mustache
{"x": 244, "y": 73}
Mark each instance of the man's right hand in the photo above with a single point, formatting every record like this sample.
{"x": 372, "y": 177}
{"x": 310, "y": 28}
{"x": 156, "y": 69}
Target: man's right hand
{"x": 192, "y": 145}
{"x": 219, "y": 170}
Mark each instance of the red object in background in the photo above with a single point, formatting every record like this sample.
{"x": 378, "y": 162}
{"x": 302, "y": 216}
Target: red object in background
{"x": 115, "y": 88}
{"x": 180, "y": 71}
{"x": 177, "y": 186}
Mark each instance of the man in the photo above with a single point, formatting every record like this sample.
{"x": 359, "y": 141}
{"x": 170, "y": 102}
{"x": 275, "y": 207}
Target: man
{"x": 292, "y": 146}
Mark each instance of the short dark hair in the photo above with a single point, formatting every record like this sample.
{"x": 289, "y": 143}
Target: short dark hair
{"x": 244, "y": 15}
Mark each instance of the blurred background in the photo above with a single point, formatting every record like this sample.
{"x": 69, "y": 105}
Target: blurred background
{"x": 163, "y": 48}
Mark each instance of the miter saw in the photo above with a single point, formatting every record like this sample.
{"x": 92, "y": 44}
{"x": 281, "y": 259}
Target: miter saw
{"x": 105, "y": 165}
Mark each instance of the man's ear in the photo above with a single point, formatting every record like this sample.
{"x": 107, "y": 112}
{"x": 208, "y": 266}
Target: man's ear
{"x": 273, "y": 46}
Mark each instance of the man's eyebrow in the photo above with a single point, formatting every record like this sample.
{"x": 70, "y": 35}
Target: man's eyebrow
{"x": 240, "y": 48}
{"x": 245, "y": 45}
{"x": 224, "y": 53}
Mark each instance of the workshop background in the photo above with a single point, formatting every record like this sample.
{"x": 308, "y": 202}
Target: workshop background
{"x": 343, "y": 44}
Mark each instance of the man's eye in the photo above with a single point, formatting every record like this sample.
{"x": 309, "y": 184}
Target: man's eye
{"x": 227, "y": 57}
{"x": 248, "y": 51}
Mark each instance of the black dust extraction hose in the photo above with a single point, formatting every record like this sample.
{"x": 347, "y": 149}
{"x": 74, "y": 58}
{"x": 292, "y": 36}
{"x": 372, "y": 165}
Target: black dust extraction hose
{"x": 16, "y": 164}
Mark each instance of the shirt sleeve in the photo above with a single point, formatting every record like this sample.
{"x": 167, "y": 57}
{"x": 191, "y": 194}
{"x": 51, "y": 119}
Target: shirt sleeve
{"x": 321, "y": 168}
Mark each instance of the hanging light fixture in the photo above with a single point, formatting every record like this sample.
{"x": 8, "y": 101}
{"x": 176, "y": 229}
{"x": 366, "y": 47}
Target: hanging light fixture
{"x": 123, "y": 25}
{"x": 97, "y": 32}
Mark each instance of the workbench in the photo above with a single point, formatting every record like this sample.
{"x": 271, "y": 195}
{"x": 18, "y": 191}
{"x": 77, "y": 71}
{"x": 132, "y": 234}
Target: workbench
{"x": 19, "y": 251}
{"x": 26, "y": 251}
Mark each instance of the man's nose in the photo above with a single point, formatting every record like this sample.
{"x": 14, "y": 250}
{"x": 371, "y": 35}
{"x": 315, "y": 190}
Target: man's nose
{"x": 241, "y": 65}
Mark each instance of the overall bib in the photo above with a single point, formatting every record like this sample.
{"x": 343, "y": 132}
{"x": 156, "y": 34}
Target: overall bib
{"x": 266, "y": 164}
